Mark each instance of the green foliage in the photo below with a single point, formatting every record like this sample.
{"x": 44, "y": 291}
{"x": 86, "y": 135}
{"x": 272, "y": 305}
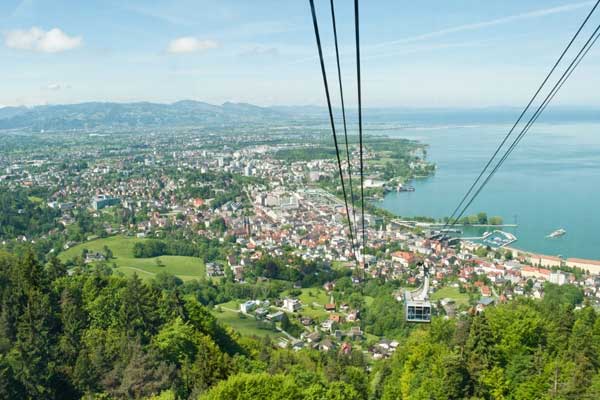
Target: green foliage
{"x": 96, "y": 335}
{"x": 291, "y": 327}
{"x": 19, "y": 215}
{"x": 481, "y": 218}
{"x": 154, "y": 248}
{"x": 149, "y": 248}
{"x": 69, "y": 336}
{"x": 255, "y": 386}
{"x": 495, "y": 220}
{"x": 166, "y": 395}
{"x": 518, "y": 350}
{"x": 277, "y": 387}
{"x": 555, "y": 295}
{"x": 385, "y": 317}
{"x": 293, "y": 269}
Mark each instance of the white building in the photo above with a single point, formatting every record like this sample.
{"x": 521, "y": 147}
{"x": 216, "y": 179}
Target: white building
{"x": 291, "y": 305}
{"x": 248, "y": 306}
{"x": 592, "y": 266}
{"x": 558, "y": 278}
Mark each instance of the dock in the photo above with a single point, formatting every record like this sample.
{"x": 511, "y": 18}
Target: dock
{"x": 498, "y": 242}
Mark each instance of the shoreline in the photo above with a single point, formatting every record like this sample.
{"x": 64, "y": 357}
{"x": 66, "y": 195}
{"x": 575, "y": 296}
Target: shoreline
{"x": 544, "y": 260}
{"x": 579, "y": 260}
{"x": 590, "y": 264}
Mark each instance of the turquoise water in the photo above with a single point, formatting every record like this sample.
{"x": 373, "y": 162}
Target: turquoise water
{"x": 551, "y": 181}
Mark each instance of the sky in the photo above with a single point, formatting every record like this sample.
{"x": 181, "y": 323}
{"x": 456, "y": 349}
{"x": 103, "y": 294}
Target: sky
{"x": 434, "y": 53}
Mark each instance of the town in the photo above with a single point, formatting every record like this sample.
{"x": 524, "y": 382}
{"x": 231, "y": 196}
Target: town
{"x": 247, "y": 209}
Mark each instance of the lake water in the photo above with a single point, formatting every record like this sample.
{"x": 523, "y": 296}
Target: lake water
{"x": 551, "y": 181}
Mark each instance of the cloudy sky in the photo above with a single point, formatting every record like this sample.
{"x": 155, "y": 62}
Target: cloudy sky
{"x": 434, "y": 53}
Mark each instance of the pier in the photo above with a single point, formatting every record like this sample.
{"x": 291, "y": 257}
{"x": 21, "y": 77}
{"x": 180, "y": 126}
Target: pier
{"x": 502, "y": 238}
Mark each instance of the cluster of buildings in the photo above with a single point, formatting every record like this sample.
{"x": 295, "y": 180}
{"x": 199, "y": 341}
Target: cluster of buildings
{"x": 326, "y": 326}
{"x": 157, "y": 182}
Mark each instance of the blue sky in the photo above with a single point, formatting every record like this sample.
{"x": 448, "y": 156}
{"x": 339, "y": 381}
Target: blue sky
{"x": 465, "y": 53}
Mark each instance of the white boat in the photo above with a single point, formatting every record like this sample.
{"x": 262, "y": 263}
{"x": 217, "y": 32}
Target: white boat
{"x": 556, "y": 233}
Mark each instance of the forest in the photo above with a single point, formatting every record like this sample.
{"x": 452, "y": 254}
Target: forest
{"x": 21, "y": 215}
{"x": 93, "y": 334}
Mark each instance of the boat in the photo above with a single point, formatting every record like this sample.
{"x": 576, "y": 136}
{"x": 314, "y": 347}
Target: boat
{"x": 556, "y": 233}
{"x": 403, "y": 188}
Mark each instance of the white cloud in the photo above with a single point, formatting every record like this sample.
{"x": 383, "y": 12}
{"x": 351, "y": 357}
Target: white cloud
{"x": 36, "y": 39}
{"x": 190, "y": 44}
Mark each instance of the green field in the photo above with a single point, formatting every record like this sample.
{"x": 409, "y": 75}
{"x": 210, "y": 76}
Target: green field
{"x": 35, "y": 199}
{"x": 186, "y": 268}
{"x": 232, "y": 305}
{"x": 315, "y": 312}
{"x": 244, "y": 326}
{"x": 342, "y": 265}
{"x": 313, "y": 302}
{"x": 313, "y": 295}
{"x": 451, "y": 293}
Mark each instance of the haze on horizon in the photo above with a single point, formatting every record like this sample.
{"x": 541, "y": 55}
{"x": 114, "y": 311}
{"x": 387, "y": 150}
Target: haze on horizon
{"x": 467, "y": 53}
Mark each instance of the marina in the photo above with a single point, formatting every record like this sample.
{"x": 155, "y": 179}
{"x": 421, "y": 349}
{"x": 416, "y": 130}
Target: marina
{"x": 494, "y": 239}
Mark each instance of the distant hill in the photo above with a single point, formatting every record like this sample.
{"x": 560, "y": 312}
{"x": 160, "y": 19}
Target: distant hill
{"x": 9, "y": 112}
{"x": 189, "y": 113}
{"x": 96, "y": 114}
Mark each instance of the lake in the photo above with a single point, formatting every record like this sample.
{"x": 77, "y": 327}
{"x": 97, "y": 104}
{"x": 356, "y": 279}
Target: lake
{"x": 551, "y": 181}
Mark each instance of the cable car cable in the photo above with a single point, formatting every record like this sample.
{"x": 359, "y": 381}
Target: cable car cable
{"x": 360, "y": 135}
{"x": 331, "y": 120}
{"x": 564, "y": 52}
{"x": 339, "y": 71}
{"x": 558, "y": 85}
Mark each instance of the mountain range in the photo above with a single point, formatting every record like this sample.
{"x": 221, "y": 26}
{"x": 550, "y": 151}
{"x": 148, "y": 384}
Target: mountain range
{"x": 94, "y": 115}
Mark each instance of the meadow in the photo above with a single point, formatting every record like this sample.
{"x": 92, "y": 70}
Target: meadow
{"x": 186, "y": 268}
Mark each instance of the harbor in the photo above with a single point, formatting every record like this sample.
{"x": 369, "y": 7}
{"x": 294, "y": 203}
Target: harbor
{"x": 494, "y": 239}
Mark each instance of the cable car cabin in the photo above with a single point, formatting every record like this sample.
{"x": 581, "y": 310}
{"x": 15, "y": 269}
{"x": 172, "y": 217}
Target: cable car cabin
{"x": 417, "y": 307}
{"x": 417, "y": 310}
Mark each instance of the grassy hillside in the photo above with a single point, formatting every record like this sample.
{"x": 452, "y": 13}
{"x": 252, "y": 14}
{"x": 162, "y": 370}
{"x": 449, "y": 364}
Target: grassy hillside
{"x": 186, "y": 268}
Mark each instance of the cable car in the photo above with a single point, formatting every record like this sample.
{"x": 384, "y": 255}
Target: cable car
{"x": 417, "y": 307}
